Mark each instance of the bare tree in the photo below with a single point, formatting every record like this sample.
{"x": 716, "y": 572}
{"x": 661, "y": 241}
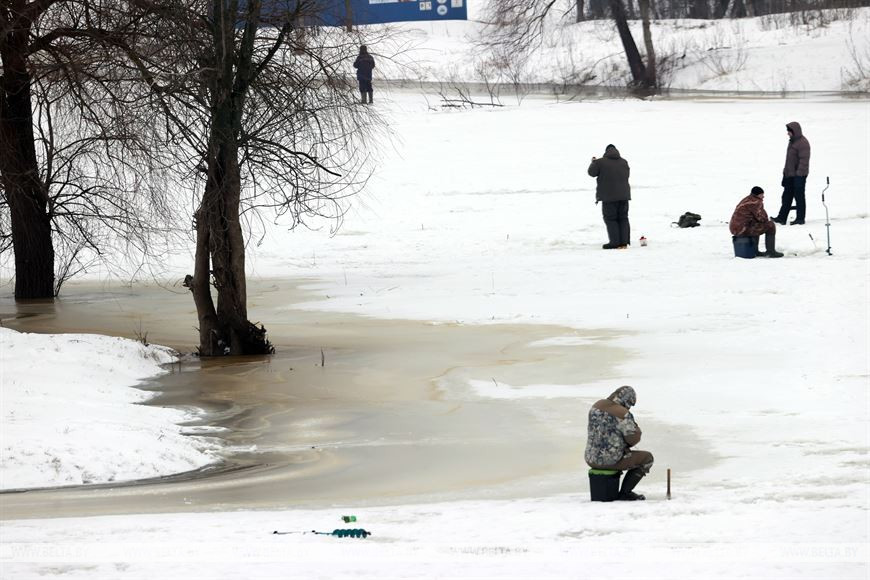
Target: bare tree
{"x": 635, "y": 62}
{"x": 261, "y": 112}
{"x": 519, "y": 25}
{"x": 24, "y": 193}
{"x": 651, "y": 76}
{"x": 77, "y": 173}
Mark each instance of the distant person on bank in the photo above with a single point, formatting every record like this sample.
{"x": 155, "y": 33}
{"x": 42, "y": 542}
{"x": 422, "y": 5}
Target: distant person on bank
{"x": 364, "y": 65}
{"x": 614, "y": 192}
{"x": 750, "y": 220}
{"x": 612, "y": 433}
{"x": 794, "y": 176}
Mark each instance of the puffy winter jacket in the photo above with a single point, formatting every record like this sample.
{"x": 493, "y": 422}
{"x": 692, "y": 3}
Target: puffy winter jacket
{"x": 612, "y": 172}
{"x": 612, "y": 429}
{"x": 797, "y": 154}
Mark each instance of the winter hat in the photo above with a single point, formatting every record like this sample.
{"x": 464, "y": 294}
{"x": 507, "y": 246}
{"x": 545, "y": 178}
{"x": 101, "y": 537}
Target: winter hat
{"x": 624, "y": 396}
{"x": 611, "y": 146}
{"x": 757, "y": 190}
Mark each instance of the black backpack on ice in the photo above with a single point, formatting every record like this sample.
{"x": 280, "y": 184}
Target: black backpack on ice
{"x": 688, "y": 220}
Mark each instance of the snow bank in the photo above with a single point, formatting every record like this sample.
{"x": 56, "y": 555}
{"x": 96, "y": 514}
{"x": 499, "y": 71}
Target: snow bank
{"x": 70, "y": 414}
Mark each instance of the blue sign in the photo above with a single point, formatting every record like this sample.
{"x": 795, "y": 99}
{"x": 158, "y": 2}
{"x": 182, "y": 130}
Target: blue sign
{"x": 381, "y": 11}
{"x": 335, "y": 12}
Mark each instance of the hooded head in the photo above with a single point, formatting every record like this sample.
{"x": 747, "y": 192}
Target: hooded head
{"x": 363, "y": 49}
{"x": 795, "y": 129}
{"x": 611, "y": 151}
{"x": 624, "y": 396}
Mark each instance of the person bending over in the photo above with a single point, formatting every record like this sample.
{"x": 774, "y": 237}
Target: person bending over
{"x": 612, "y": 433}
{"x": 750, "y": 220}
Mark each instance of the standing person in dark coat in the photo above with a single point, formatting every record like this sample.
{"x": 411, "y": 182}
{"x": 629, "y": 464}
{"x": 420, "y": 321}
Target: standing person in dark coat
{"x": 364, "y": 64}
{"x": 750, "y": 220}
{"x": 612, "y": 432}
{"x": 794, "y": 175}
{"x": 614, "y": 192}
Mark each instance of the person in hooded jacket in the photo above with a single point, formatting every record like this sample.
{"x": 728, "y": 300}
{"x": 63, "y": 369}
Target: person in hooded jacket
{"x": 614, "y": 193}
{"x": 749, "y": 219}
{"x": 612, "y": 433}
{"x": 794, "y": 175}
{"x": 364, "y": 65}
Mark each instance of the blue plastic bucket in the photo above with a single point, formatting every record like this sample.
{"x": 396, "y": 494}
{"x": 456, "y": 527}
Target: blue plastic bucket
{"x": 744, "y": 247}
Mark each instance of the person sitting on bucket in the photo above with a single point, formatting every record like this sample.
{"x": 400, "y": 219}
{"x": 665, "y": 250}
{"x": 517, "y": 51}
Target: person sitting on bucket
{"x": 750, "y": 220}
{"x": 612, "y": 434}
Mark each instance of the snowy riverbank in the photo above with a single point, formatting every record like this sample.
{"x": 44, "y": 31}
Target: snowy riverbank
{"x": 821, "y": 50}
{"x": 71, "y": 412}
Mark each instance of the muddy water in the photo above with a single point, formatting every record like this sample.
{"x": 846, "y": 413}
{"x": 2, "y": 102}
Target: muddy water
{"x": 350, "y": 410}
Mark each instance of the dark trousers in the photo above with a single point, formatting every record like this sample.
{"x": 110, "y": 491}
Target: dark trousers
{"x": 616, "y": 219}
{"x": 365, "y": 88}
{"x": 794, "y": 190}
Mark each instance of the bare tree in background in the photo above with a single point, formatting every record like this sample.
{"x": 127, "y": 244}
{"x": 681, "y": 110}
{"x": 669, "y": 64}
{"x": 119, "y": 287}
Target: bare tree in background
{"x": 650, "y": 74}
{"x": 520, "y": 25}
{"x": 78, "y": 171}
{"x": 261, "y": 112}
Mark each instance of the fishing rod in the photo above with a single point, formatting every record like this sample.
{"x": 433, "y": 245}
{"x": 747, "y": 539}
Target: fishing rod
{"x": 827, "y": 218}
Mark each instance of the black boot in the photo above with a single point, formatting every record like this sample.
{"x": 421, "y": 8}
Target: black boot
{"x": 770, "y": 245}
{"x": 631, "y": 479}
{"x": 757, "y": 251}
{"x": 371, "y": 97}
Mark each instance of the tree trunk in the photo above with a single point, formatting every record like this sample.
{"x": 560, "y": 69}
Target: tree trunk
{"x": 23, "y": 187}
{"x": 651, "y": 80}
{"x": 225, "y": 329}
{"x": 579, "y": 11}
{"x": 698, "y": 9}
{"x": 635, "y": 64}
{"x": 597, "y": 9}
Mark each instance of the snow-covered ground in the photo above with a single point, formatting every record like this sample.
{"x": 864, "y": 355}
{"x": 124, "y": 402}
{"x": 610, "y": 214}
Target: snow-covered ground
{"x": 487, "y": 216}
{"x": 70, "y": 417}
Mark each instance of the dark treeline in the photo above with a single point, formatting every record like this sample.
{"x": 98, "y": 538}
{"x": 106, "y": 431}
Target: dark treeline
{"x": 712, "y": 9}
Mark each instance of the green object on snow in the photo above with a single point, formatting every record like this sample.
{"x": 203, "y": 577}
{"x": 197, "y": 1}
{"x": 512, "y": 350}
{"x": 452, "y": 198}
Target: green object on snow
{"x": 603, "y": 472}
{"x": 354, "y": 533}
{"x": 358, "y": 533}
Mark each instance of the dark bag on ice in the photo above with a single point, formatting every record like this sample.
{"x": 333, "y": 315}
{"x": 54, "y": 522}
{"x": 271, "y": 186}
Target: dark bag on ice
{"x": 688, "y": 220}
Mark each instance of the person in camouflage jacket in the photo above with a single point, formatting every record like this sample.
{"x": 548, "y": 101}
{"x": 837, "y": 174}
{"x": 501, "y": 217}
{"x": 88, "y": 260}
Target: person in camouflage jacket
{"x": 750, "y": 220}
{"x": 612, "y": 433}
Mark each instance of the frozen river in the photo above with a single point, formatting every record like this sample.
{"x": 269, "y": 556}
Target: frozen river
{"x": 385, "y": 414}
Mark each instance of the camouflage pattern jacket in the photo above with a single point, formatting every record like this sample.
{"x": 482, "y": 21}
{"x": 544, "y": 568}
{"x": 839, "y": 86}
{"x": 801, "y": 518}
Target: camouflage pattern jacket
{"x": 612, "y": 429}
{"x": 749, "y": 218}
